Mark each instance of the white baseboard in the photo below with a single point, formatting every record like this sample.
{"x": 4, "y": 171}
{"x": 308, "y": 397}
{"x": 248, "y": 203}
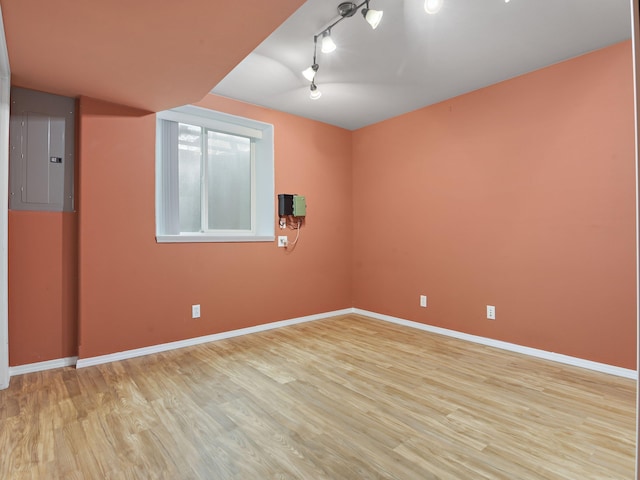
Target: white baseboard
{"x": 41, "y": 366}
{"x": 512, "y": 347}
{"x": 138, "y": 352}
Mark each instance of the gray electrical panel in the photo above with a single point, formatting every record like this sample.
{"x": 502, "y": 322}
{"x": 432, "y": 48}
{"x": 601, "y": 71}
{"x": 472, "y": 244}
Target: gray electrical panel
{"x": 41, "y": 151}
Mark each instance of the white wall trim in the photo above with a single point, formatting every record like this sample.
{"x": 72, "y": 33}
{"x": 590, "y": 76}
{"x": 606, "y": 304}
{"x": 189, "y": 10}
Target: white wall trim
{"x": 5, "y": 95}
{"x": 138, "y": 352}
{"x": 512, "y": 347}
{"x": 41, "y": 366}
{"x": 635, "y": 25}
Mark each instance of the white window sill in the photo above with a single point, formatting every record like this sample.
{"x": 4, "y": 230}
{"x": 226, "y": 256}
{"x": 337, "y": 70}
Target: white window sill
{"x": 206, "y": 238}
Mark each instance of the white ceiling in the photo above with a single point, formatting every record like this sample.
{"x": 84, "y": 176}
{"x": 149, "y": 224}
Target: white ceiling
{"x": 414, "y": 59}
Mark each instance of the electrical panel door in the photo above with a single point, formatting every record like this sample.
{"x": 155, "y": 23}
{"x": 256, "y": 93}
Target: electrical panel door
{"x": 41, "y": 151}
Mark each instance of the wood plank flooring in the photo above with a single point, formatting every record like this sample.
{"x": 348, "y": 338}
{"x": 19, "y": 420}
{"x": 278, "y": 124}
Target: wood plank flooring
{"x": 341, "y": 398}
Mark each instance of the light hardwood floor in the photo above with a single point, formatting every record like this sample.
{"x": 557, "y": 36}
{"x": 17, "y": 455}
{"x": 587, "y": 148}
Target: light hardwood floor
{"x": 341, "y": 398}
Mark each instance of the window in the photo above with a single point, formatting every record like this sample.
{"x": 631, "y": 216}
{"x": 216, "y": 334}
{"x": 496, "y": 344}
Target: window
{"x": 214, "y": 177}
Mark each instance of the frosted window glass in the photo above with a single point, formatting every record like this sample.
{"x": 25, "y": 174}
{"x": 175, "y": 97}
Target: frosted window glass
{"x": 228, "y": 181}
{"x": 189, "y": 169}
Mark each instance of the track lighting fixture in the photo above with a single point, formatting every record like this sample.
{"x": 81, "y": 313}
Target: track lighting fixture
{"x": 348, "y": 9}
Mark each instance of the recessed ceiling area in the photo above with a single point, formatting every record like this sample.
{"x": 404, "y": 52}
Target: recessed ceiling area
{"x": 413, "y": 59}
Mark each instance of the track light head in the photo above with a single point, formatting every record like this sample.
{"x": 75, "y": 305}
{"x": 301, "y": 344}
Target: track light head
{"x": 315, "y": 92}
{"x": 328, "y": 45}
{"x": 310, "y": 73}
{"x": 432, "y": 6}
{"x": 373, "y": 17}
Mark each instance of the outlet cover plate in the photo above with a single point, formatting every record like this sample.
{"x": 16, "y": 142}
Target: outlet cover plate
{"x": 195, "y": 311}
{"x": 283, "y": 240}
{"x": 423, "y": 301}
{"x": 491, "y": 312}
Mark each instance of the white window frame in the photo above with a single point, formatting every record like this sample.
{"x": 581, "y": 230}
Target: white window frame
{"x": 262, "y": 176}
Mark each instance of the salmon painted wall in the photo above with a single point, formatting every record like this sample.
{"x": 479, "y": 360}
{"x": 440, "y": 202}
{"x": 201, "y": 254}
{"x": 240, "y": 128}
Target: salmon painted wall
{"x": 134, "y": 292}
{"x": 42, "y": 286}
{"x": 520, "y": 195}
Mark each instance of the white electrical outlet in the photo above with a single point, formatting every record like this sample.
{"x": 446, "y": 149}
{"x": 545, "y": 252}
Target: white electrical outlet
{"x": 491, "y": 312}
{"x": 195, "y": 311}
{"x": 283, "y": 241}
{"x": 423, "y": 301}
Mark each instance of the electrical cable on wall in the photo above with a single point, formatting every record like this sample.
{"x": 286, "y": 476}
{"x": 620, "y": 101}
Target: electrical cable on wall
{"x": 297, "y": 234}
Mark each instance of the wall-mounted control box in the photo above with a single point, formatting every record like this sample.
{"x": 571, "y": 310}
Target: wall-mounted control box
{"x": 299, "y": 206}
{"x": 290, "y": 204}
